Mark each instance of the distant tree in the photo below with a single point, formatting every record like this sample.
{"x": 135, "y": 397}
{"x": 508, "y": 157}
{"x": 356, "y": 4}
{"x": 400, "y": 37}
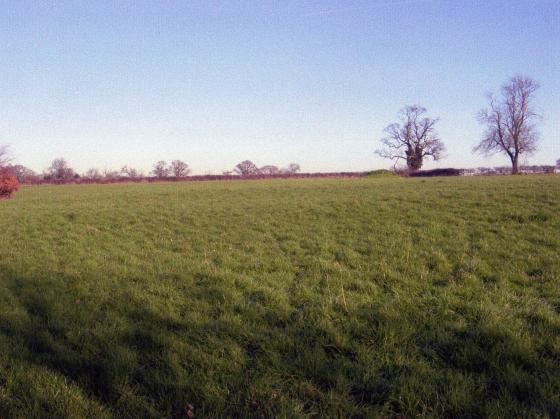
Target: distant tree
{"x": 558, "y": 163}
{"x": 92, "y": 174}
{"x": 131, "y": 172}
{"x": 160, "y": 169}
{"x": 412, "y": 140}
{"x": 269, "y": 170}
{"x": 60, "y": 170}
{"x": 293, "y": 168}
{"x": 109, "y": 174}
{"x": 4, "y": 155}
{"x": 179, "y": 168}
{"x": 537, "y": 168}
{"x": 246, "y": 168}
{"x": 22, "y": 173}
{"x": 511, "y": 121}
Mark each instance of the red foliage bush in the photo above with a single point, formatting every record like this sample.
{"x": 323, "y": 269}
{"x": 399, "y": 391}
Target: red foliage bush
{"x": 8, "y": 183}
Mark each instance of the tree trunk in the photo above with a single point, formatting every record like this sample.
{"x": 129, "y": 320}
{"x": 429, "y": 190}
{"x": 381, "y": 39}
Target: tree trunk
{"x": 417, "y": 163}
{"x": 515, "y": 165}
{"x": 414, "y": 160}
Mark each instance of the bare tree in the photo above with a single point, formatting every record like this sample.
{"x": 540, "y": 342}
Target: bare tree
{"x": 23, "y": 174}
{"x": 179, "y": 168}
{"x": 160, "y": 169}
{"x": 413, "y": 139}
{"x": 131, "y": 172}
{"x": 293, "y": 168}
{"x": 111, "y": 175}
{"x": 269, "y": 170}
{"x": 92, "y": 174}
{"x": 60, "y": 170}
{"x": 4, "y": 155}
{"x": 511, "y": 121}
{"x": 246, "y": 168}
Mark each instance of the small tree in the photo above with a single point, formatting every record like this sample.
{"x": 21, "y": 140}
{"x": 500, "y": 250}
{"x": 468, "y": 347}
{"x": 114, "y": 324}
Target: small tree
{"x": 246, "y": 168}
{"x": 22, "y": 173}
{"x": 179, "y": 168}
{"x": 92, "y": 174}
{"x": 412, "y": 140}
{"x": 160, "y": 169}
{"x": 511, "y": 121}
{"x": 60, "y": 170}
{"x": 111, "y": 175}
{"x": 131, "y": 172}
{"x": 269, "y": 170}
{"x": 293, "y": 168}
{"x": 558, "y": 163}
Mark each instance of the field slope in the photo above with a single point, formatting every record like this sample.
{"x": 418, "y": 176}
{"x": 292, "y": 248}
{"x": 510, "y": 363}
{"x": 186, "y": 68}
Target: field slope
{"x": 285, "y": 298}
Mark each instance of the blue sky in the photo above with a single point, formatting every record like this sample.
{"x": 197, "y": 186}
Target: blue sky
{"x": 105, "y": 84}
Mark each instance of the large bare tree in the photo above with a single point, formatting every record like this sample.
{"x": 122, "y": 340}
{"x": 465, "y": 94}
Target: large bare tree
{"x": 511, "y": 121}
{"x": 413, "y": 139}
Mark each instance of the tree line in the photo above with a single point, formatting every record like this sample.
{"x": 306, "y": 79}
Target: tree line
{"x": 510, "y": 123}
{"x": 61, "y": 171}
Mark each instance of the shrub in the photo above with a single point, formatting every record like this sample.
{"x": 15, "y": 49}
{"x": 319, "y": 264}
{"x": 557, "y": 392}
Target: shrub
{"x": 436, "y": 172}
{"x": 402, "y": 171}
{"x": 8, "y": 184}
{"x": 380, "y": 173}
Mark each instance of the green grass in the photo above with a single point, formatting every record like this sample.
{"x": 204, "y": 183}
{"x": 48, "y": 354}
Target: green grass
{"x": 285, "y": 298}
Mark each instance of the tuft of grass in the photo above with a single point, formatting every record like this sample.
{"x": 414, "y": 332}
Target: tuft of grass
{"x": 282, "y": 298}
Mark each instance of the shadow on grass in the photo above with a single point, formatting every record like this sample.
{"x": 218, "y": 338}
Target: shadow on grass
{"x": 139, "y": 362}
{"x": 474, "y": 368}
{"x": 120, "y": 353}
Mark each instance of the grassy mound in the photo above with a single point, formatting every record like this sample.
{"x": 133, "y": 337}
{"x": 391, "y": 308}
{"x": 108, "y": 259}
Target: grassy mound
{"x": 381, "y": 173}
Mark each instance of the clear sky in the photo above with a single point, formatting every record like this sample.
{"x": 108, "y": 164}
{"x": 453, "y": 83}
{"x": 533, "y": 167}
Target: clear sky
{"x": 109, "y": 83}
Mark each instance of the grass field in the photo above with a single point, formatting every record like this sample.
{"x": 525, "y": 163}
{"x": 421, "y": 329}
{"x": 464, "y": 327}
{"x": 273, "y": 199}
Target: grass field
{"x": 285, "y": 298}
